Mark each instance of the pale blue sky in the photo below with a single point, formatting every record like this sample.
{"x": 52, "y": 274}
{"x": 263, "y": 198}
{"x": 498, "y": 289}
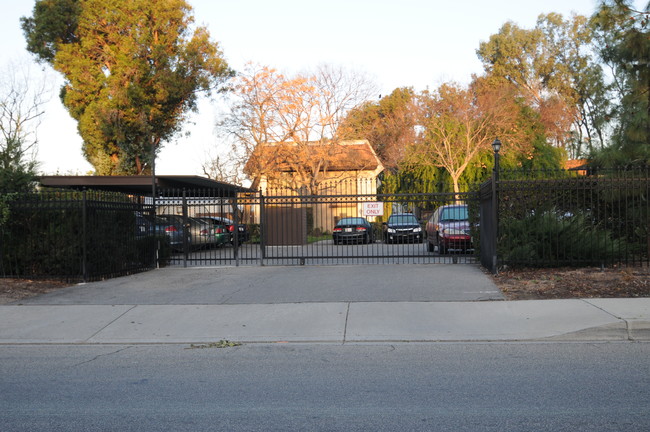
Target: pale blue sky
{"x": 415, "y": 43}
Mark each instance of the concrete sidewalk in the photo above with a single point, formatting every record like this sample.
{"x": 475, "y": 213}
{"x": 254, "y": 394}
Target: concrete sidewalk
{"x": 574, "y": 320}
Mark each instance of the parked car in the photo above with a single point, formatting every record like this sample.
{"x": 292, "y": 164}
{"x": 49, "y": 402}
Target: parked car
{"x": 221, "y": 234}
{"x": 449, "y": 229}
{"x": 199, "y": 233}
{"x": 353, "y": 230}
{"x": 143, "y": 226}
{"x": 402, "y": 227}
{"x": 243, "y": 234}
{"x": 172, "y": 228}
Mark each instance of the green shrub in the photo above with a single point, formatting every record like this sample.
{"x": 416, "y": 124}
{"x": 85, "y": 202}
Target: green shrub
{"x": 553, "y": 237}
{"x": 255, "y": 233}
{"x": 45, "y": 236}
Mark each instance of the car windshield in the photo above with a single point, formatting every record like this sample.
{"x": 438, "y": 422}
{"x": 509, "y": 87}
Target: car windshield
{"x": 403, "y": 219}
{"x": 352, "y": 221}
{"x": 454, "y": 214}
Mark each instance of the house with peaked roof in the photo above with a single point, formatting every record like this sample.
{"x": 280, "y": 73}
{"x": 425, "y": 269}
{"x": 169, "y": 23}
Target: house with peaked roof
{"x": 323, "y": 168}
{"x": 316, "y": 168}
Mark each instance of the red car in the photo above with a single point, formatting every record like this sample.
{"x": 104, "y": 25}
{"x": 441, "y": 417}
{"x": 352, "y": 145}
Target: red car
{"x": 449, "y": 229}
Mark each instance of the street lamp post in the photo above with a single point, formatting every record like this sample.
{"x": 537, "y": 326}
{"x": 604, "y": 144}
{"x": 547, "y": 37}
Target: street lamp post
{"x": 153, "y": 176}
{"x": 496, "y": 146}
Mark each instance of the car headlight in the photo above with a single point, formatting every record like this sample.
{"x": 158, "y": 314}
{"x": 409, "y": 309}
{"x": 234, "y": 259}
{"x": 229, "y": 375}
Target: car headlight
{"x": 391, "y": 230}
{"x": 418, "y": 229}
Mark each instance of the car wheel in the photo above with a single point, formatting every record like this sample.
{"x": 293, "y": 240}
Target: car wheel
{"x": 441, "y": 247}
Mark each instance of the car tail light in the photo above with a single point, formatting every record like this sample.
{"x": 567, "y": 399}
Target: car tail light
{"x": 338, "y": 229}
{"x": 231, "y": 228}
{"x": 204, "y": 232}
{"x": 219, "y": 231}
{"x": 361, "y": 229}
{"x": 171, "y": 228}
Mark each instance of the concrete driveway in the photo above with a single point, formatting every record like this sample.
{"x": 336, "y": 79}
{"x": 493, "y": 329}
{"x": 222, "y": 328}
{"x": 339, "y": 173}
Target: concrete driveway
{"x": 277, "y": 285}
{"x": 338, "y": 304}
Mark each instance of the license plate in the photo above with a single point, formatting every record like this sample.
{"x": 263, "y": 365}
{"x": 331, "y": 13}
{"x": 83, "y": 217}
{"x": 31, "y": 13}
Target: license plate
{"x": 348, "y": 230}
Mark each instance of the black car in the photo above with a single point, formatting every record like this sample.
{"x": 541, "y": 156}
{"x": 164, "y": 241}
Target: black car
{"x": 352, "y": 230}
{"x": 402, "y": 227}
{"x": 143, "y": 226}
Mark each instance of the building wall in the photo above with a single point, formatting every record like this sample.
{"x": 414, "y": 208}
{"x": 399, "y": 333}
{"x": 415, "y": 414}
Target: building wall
{"x": 349, "y": 188}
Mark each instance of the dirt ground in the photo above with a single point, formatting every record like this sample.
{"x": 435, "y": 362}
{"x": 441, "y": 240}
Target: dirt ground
{"x": 17, "y": 289}
{"x": 565, "y": 283}
{"x": 520, "y": 284}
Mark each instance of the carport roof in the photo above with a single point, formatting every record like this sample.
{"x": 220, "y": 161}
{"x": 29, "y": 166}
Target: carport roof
{"x": 140, "y": 185}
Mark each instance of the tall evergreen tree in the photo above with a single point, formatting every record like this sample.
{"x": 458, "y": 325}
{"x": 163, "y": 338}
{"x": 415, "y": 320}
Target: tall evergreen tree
{"x": 132, "y": 71}
{"x": 555, "y": 69}
{"x": 624, "y": 44}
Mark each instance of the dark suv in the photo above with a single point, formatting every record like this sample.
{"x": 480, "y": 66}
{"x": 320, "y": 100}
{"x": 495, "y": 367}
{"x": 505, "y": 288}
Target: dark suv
{"x": 402, "y": 227}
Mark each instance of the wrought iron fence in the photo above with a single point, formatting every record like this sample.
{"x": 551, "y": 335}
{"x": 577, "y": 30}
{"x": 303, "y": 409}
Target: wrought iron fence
{"x": 554, "y": 218}
{"x": 76, "y": 235}
{"x": 292, "y": 227}
{"x": 574, "y": 218}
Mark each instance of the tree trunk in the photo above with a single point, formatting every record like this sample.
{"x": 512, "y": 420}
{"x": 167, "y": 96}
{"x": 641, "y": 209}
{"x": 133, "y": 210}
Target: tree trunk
{"x": 454, "y": 178}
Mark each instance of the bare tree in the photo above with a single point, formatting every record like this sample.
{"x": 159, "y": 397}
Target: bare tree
{"x": 299, "y": 116}
{"x": 222, "y": 169}
{"x": 22, "y": 98}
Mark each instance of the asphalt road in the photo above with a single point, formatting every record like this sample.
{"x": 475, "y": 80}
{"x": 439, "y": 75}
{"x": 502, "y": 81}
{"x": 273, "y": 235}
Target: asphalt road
{"x": 406, "y": 387}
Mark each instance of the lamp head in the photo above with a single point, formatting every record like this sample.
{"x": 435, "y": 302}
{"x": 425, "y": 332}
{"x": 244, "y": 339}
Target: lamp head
{"x": 496, "y": 145}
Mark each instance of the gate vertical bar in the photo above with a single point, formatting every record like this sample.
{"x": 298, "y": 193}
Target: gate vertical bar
{"x": 156, "y": 242}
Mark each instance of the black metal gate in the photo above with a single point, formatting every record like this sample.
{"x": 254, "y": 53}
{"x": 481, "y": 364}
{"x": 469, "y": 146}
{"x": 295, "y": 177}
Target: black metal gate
{"x": 292, "y": 229}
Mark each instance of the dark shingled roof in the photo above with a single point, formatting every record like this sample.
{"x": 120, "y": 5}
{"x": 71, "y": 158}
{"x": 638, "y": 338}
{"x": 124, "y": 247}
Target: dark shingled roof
{"x": 140, "y": 185}
{"x": 346, "y": 156}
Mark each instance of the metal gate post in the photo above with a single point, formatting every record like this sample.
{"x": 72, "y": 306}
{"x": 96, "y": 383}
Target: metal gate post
{"x": 235, "y": 220}
{"x": 84, "y": 231}
{"x": 262, "y": 229}
{"x": 496, "y": 146}
{"x": 493, "y": 232}
{"x": 186, "y": 230}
